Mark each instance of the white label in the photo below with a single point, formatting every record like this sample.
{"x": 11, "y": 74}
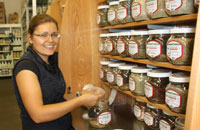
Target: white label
{"x": 104, "y": 118}
{"x": 98, "y": 18}
{"x": 109, "y": 46}
{"x": 121, "y": 46}
{"x": 120, "y": 80}
{"x": 101, "y": 46}
{"x": 148, "y": 89}
{"x": 148, "y": 119}
{"x": 110, "y": 77}
{"x": 172, "y": 5}
{"x": 174, "y": 50}
{"x": 153, "y": 49}
{"x": 152, "y": 6}
{"x": 137, "y": 111}
{"x": 164, "y": 125}
{"x": 111, "y": 15}
{"x": 132, "y": 84}
{"x": 136, "y": 9}
{"x": 101, "y": 73}
{"x": 122, "y": 13}
{"x": 133, "y": 47}
{"x": 173, "y": 99}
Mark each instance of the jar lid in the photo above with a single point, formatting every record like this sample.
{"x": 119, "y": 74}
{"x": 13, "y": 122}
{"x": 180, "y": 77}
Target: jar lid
{"x": 114, "y": 3}
{"x": 124, "y": 33}
{"x": 126, "y": 67}
{"x": 179, "y": 77}
{"x": 104, "y": 62}
{"x": 180, "y": 122}
{"x": 166, "y": 113}
{"x": 140, "y": 69}
{"x": 159, "y": 73}
{"x": 150, "y": 106}
{"x": 182, "y": 30}
{"x": 152, "y": 66}
{"x": 138, "y": 100}
{"x": 115, "y": 64}
{"x": 103, "y": 35}
{"x": 122, "y": 0}
{"x": 103, "y": 6}
{"x": 160, "y": 31}
{"x": 139, "y": 33}
{"x": 112, "y": 34}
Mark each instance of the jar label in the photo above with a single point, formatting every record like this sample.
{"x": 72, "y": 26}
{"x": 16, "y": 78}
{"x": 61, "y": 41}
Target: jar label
{"x": 172, "y": 5}
{"x": 148, "y": 89}
{"x": 174, "y": 50}
{"x": 120, "y": 80}
{"x": 122, "y": 12}
{"x": 110, "y": 77}
{"x": 164, "y": 125}
{"x": 110, "y": 46}
{"x": 136, "y": 9}
{"x": 101, "y": 46}
{"x": 101, "y": 73}
{"x": 132, "y": 84}
{"x": 121, "y": 46}
{"x": 133, "y": 47}
{"x": 152, "y": 6}
{"x": 104, "y": 118}
{"x": 137, "y": 111}
{"x": 153, "y": 49}
{"x": 173, "y": 98}
{"x": 111, "y": 15}
{"x": 98, "y": 18}
{"x": 148, "y": 119}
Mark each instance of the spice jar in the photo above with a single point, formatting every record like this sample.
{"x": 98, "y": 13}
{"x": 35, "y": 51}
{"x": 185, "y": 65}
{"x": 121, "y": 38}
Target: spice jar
{"x": 179, "y": 7}
{"x": 156, "y": 45}
{"x": 151, "y": 117}
{"x": 156, "y": 9}
{"x": 166, "y": 121}
{"x": 155, "y": 85}
{"x": 124, "y": 11}
{"x": 112, "y": 13}
{"x": 137, "y": 47}
{"x": 111, "y": 43}
{"x": 102, "y": 44}
{"x": 139, "y": 12}
{"x": 177, "y": 92}
{"x": 103, "y": 70}
{"x": 100, "y": 114}
{"x": 123, "y": 76}
{"x": 137, "y": 79}
{"x": 112, "y": 72}
{"x": 180, "y": 46}
{"x": 122, "y": 44}
{"x": 179, "y": 123}
{"x": 102, "y": 18}
{"x": 139, "y": 109}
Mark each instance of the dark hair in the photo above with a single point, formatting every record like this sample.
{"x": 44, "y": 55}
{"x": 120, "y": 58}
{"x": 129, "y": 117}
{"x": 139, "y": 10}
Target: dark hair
{"x": 40, "y": 19}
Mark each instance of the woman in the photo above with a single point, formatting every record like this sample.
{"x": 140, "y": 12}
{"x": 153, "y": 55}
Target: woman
{"x": 39, "y": 84}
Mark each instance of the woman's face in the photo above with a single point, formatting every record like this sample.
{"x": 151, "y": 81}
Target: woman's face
{"x": 44, "y": 40}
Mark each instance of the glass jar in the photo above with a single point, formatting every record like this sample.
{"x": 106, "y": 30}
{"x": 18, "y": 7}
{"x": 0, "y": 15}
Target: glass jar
{"x": 179, "y": 7}
{"x": 180, "y": 46}
{"x": 100, "y": 115}
{"x": 102, "y": 18}
{"x": 179, "y": 123}
{"x": 151, "y": 117}
{"x": 166, "y": 121}
{"x": 103, "y": 70}
{"x": 102, "y": 44}
{"x": 122, "y": 44}
{"x": 139, "y": 109}
{"x": 123, "y": 74}
{"x": 112, "y": 73}
{"x": 137, "y": 79}
{"x": 137, "y": 47}
{"x": 111, "y": 43}
{"x": 156, "y": 9}
{"x": 156, "y": 45}
{"x": 177, "y": 92}
{"x": 124, "y": 11}
{"x": 155, "y": 85}
{"x": 112, "y": 13}
{"x": 139, "y": 12}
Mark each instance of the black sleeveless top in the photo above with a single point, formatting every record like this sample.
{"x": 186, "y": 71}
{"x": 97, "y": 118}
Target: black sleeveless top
{"x": 52, "y": 86}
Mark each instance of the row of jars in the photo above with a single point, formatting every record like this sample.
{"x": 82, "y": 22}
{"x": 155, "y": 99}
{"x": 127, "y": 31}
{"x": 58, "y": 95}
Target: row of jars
{"x": 155, "y": 118}
{"x": 158, "y": 85}
{"x": 125, "y": 11}
{"x": 163, "y": 45}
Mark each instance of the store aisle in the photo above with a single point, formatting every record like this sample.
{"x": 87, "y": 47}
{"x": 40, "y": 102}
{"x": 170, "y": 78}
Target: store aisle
{"x": 9, "y": 111}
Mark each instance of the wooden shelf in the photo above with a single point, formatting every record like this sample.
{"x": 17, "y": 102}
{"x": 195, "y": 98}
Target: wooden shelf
{"x": 182, "y": 18}
{"x": 146, "y": 61}
{"x": 101, "y": 1}
{"x": 160, "y": 106}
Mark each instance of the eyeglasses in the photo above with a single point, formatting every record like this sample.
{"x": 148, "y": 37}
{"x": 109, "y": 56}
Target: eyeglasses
{"x": 46, "y": 36}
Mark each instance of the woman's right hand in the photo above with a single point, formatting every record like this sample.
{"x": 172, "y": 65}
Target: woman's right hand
{"x": 89, "y": 99}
